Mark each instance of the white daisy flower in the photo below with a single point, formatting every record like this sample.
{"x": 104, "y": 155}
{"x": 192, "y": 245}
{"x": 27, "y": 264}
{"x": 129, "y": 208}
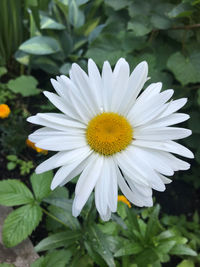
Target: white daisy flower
{"x": 112, "y": 134}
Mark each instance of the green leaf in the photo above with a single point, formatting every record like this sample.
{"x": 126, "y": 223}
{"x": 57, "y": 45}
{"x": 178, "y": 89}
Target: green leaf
{"x": 182, "y": 250}
{"x": 40, "y": 45}
{"x": 24, "y": 85}
{"x": 100, "y": 245}
{"x": 49, "y": 23}
{"x": 41, "y": 184}
{"x": 186, "y": 263}
{"x": 153, "y": 225}
{"x": 181, "y": 10}
{"x": 12, "y": 157}
{"x": 3, "y": 71}
{"x": 20, "y": 223}
{"x": 58, "y": 258}
{"x": 11, "y": 166}
{"x": 146, "y": 257}
{"x": 76, "y": 16}
{"x": 160, "y": 22}
{"x": 139, "y": 28}
{"x": 22, "y": 57}
{"x": 62, "y": 239}
{"x": 129, "y": 249}
{"x": 13, "y": 193}
{"x": 184, "y": 68}
{"x": 117, "y": 5}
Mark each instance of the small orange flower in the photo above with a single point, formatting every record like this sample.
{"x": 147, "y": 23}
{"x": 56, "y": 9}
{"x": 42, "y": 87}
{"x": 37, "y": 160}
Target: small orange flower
{"x": 32, "y": 145}
{"x": 124, "y": 199}
{"x": 4, "y": 111}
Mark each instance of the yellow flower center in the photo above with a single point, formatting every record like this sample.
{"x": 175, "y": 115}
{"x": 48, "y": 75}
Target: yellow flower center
{"x": 109, "y": 133}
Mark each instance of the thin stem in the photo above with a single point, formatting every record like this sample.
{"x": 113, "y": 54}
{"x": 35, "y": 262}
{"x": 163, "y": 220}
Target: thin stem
{"x": 54, "y": 217}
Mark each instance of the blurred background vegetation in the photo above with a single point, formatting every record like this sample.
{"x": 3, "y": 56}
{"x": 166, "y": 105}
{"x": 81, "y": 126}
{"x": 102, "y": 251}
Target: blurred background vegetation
{"x": 40, "y": 39}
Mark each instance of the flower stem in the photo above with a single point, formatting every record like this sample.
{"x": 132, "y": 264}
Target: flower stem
{"x": 54, "y": 217}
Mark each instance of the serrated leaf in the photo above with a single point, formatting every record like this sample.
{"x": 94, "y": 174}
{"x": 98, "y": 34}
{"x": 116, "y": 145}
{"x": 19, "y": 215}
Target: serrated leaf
{"x": 40, "y": 45}
{"x": 20, "y": 223}
{"x": 13, "y": 193}
{"x": 24, "y": 85}
{"x": 62, "y": 239}
{"x": 184, "y": 68}
{"x": 182, "y": 250}
{"x": 41, "y": 184}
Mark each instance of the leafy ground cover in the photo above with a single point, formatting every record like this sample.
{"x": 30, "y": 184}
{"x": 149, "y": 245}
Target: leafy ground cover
{"x": 41, "y": 39}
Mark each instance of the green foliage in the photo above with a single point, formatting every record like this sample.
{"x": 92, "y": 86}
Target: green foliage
{"x": 14, "y": 192}
{"x": 20, "y": 223}
{"x": 14, "y": 161}
{"x": 24, "y": 85}
{"x": 41, "y": 184}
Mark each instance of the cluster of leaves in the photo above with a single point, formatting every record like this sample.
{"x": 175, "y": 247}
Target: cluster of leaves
{"x": 131, "y": 236}
{"x": 14, "y": 161}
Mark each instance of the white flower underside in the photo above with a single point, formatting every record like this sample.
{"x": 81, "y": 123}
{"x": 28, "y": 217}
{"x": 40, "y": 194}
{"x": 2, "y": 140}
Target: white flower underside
{"x": 142, "y": 165}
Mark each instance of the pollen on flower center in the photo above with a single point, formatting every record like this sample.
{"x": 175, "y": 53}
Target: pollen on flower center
{"x": 109, "y": 133}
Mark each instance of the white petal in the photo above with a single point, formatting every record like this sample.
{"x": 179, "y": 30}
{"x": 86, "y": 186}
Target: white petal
{"x": 128, "y": 192}
{"x": 174, "y": 106}
{"x": 161, "y": 133}
{"x": 47, "y": 132}
{"x": 120, "y": 81}
{"x": 113, "y": 188}
{"x": 62, "y": 158}
{"x": 61, "y": 104}
{"x": 135, "y": 84}
{"x": 141, "y": 113}
{"x": 96, "y": 82}
{"x": 56, "y": 143}
{"x": 69, "y": 171}
{"x": 164, "y": 179}
{"x": 155, "y": 160}
{"x": 86, "y": 183}
{"x": 169, "y": 146}
{"x": 167, "y": 121}
{"x": 80, "y": 78}
{"x": 107, "y": 80}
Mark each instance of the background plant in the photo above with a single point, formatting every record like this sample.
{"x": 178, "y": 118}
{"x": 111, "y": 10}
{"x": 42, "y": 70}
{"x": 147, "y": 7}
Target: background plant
{"x": 41, "y": 39}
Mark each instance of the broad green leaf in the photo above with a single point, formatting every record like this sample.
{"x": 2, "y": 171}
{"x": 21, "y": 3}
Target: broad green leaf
{"x": 40, "y": 45}
{"x": 13, "y": 193}
{"x": 146, "y": 257}
{"x": 24, "y": 85}
{"x": 65, "y": 216}
{"x": 100, "y": 245}
{"x": 20, "y": 223}
{"x": 62, "y": 239}
{"x": 58, "y": 258}
{"x": 185, "y": 69}
{"x": 182, "y": 250}
{"x": 117, "y": 5}
{"x": 186, "y": 263}
{"x": 129, "y": 249}
{"x": 139, "y": 28}
{"x": 181, "y": 10}
{"x": 22, "y": 57}
{"x": 3, "y": 71}
{"x": 165, "y": 247}
{"x": 76, "y": 16}
{"x": 160, "y": 22}
{"x": 49, "y": 23}
{"x": 41, "y": 184}
{"x": 11, "y": 165}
